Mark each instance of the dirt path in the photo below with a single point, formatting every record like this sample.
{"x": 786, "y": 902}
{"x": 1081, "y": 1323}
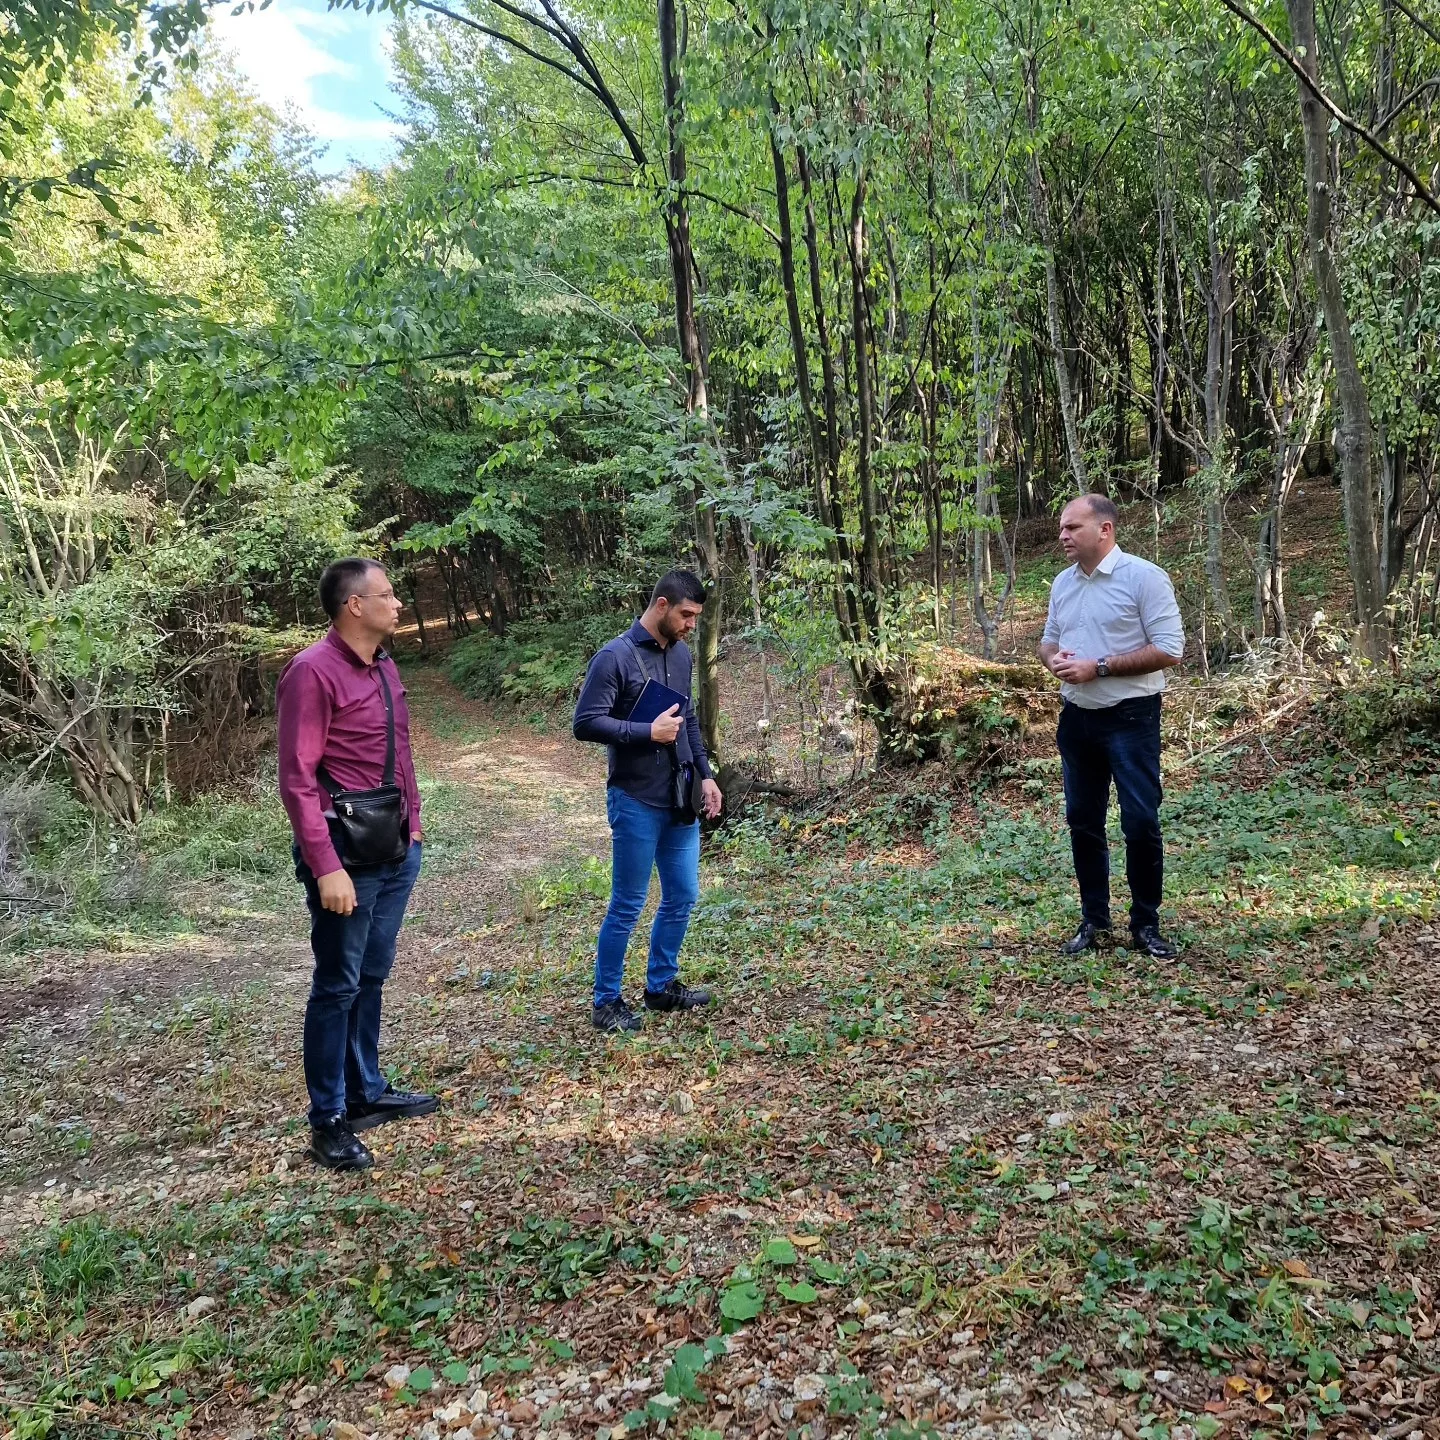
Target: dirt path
{"x": 168, "y": 1068}
{"x": 538, "y": 796}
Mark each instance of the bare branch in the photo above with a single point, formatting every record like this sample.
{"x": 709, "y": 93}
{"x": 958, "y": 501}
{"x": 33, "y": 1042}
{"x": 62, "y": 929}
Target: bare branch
{"x": 470, "y": 23}
{"x": 1422, "y": 191}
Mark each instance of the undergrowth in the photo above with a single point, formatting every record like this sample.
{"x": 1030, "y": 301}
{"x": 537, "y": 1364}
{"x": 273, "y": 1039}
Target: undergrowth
{"x": 70, "y": 879}
{"x": 533, "y": 661}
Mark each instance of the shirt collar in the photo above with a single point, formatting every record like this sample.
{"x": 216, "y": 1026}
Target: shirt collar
{"x": 332, "y": 637}
{"x": 1105, "y": 566}
{"x": 639, "y": 635}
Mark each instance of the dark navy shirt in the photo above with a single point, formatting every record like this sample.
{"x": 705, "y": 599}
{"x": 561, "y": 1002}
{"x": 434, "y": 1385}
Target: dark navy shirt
{"x": 617, "y": 675}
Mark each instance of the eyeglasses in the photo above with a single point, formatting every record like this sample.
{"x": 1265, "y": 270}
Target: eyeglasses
{"x": 376, "y": 595}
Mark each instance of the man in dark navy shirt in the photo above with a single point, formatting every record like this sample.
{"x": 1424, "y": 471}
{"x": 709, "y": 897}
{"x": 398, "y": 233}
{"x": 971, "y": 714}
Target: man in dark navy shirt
{"x": 647, "y": 833}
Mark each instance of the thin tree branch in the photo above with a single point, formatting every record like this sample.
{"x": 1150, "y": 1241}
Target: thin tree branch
{"x": 1422, "y": 192}
{"x": 1409, "y": 100}
{"x": 577, "y": 47}
{"x": 1104, "y": 155}
{"x": 473, "y": 24}
{"x": 1415, "y": 19}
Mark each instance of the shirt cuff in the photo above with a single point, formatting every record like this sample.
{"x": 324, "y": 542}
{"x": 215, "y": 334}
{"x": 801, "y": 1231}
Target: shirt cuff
{"x": 323, "y": 860}
{"x": 702, "y": 764}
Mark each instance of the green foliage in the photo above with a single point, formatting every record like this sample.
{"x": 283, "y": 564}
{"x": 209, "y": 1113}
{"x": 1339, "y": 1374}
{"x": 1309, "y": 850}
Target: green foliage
{"x": 533, "y": 661}
{"x": 92, "y": 881}
{"x": 1399, "y": 703}
{"x": 86, "y": 1258}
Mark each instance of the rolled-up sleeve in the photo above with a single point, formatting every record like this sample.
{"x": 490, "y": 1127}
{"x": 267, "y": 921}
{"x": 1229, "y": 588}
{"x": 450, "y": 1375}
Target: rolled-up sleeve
{"x": 1160, "y": 614}
{"x": 593, "y": 720}
{"x": 303, "y": 725}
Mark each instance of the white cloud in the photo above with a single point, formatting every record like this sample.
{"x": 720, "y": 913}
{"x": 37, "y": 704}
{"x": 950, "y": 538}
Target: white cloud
{"x": 285, "y": 49}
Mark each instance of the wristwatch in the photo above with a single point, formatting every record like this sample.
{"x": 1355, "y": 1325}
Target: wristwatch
{"x": 1102, "y": 667}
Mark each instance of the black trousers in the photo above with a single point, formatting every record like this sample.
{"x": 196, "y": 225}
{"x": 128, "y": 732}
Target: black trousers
{"x": 1119, "y": 743}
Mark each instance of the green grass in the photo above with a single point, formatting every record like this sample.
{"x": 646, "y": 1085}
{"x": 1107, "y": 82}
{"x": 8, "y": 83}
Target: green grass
{"x": 185, "y": 869}
{"x": 907, "y": 1105}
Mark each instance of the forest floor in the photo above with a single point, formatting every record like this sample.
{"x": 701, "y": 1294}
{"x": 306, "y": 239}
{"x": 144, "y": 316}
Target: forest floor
{"x": 915, "y": 1174}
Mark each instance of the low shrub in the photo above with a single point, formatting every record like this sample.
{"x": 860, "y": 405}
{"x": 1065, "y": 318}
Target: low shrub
{"x": 1390, "y": 702}
{"x": 70, "y": 877}
{"x": 533, "y": 661}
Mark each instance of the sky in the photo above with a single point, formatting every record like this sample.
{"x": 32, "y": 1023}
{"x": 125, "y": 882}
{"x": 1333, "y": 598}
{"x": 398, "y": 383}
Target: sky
{"x": 333, "y": 66}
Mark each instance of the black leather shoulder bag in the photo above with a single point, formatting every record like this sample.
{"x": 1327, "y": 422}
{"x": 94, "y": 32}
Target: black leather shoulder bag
{"x": 369, "y": 825}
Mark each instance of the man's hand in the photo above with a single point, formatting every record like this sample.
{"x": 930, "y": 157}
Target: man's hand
{"x": 1070, "y": 667}
{"x": 416, "y": 836}
{"x": 664, "y": 728}
{"x": 712, "y": 800}
{"x": 337, "y": 892}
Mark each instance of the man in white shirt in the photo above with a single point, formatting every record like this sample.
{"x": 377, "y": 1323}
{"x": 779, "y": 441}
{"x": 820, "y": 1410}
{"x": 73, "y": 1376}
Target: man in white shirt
{"x": 1112, "y": 632}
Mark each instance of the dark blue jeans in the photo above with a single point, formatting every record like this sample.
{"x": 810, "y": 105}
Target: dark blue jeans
{"x": 1120, "y": 743}
{"x": 644, "y": 839}
{"x": 353, "y": 956}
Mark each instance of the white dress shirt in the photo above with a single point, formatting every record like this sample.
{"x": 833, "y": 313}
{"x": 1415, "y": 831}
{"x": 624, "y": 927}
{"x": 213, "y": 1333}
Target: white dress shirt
{"x": 1125, "y": 603}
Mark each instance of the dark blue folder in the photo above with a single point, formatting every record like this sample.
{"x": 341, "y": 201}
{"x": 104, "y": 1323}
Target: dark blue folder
{"x": 655, "y": 699}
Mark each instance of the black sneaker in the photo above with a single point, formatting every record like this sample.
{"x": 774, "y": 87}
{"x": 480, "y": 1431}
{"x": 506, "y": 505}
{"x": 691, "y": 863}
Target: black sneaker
{"x": 392, "y": 1105}
{"x": 335, "y": 1145}
{"x": 1149, "y": 940}
{"x": 676, "y": 996}
{"x": 615, "y": 1017}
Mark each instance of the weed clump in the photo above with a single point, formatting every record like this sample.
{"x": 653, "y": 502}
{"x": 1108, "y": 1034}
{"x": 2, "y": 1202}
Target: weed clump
{"x": 975, "y": 712}
{"x": 1380, "y": 706}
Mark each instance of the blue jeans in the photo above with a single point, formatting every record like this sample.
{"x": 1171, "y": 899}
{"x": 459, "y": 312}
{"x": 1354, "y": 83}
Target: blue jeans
{"x": 645, "y": 838}
{"x": 353, "y": 956}
{"x": 1120, "y": 743}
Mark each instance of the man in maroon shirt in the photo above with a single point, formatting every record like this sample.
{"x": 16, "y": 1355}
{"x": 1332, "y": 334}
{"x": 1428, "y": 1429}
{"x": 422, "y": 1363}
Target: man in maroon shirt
{"x": 332, "y": 717}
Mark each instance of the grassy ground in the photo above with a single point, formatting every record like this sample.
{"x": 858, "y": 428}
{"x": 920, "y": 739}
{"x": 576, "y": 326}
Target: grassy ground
{"x": 916, "y": 1175}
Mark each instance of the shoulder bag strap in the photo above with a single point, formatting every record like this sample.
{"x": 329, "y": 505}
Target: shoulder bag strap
{"x": 388, "y": 778}
{"x": 639, "y": 660}
{"x": 388, "y": 775}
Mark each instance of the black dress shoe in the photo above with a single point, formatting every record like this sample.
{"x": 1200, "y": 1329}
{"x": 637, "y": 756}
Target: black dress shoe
{"x": 335, "y": 1145}
{"x": 392, "y": 1105}
{"x": 615, "y": 1017}
{"x": 1149, "y": 939}
{"x": 676, "y": 996}
{"x": 1084, "y": 938}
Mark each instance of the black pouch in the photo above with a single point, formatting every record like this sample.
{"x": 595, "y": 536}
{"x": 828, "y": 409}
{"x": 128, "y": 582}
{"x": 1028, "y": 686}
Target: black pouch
{"x": 369, "y": 825}
{"x": 687, "y": 791}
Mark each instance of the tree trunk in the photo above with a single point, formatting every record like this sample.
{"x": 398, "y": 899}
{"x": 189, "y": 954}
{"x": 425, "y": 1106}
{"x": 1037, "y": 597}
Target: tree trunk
{"x": 1029, "y": 482}
{"x": 835, "y": 518}
{"x": 823, "y": 453}
{"x": 1219, "y": 309}
{"x": 692, "y": 354}
{"x": 1354, "y": 434}
{"x": 871, "y": 564}
{"x": 1040, "y": 209}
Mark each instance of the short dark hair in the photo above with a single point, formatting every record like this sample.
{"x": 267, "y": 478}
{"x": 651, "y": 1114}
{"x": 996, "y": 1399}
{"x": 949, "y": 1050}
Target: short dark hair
{"x": 342, "y": 579}
{"x": 1103, "y": 508}
{"x": 678, "y": 585}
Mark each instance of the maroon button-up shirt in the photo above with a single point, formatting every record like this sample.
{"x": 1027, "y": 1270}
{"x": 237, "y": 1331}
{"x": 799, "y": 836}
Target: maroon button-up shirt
{"x": 332, "y": 711}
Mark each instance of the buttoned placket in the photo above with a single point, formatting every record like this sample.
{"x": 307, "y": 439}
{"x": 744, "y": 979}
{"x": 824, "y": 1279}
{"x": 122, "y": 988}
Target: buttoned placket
{"x": 1086, "y": 591}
